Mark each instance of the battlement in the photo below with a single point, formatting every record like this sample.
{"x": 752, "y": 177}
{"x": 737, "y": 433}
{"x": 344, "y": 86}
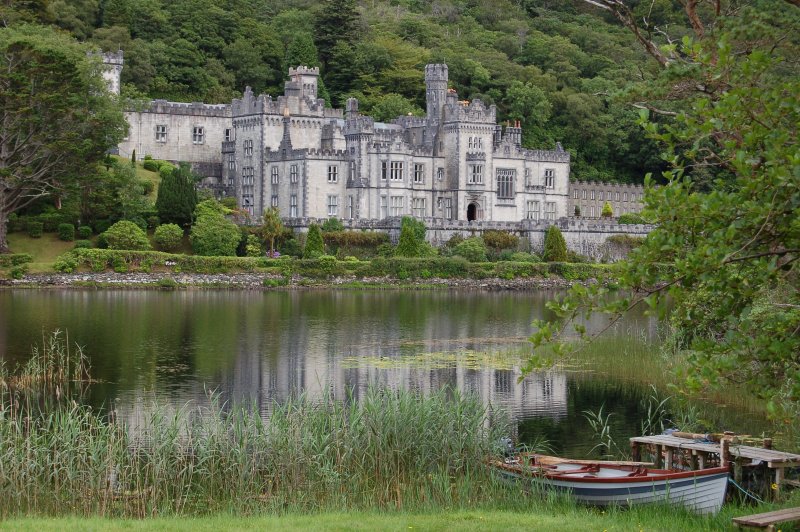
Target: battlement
{"x": 466, "y": 111}
{"x": 436, "y": 72}
{"x": 362, "y": 125}
{"x": 574, "y": 183}
{"x": 303, "y": 71}
{"x": 410, "y": 121}
{"x": 113, "y": 58}
{"x": 195, "y": 108}
{"x": 549, "y": 156}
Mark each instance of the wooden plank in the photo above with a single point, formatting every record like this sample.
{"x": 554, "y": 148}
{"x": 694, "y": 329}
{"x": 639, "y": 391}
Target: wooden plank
{"x": 552, "y": 460}
{"x": 768, "y": 518}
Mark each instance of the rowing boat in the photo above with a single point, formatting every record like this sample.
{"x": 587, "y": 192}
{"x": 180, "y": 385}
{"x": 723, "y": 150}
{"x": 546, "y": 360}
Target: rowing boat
{"x": 601, "y": 484}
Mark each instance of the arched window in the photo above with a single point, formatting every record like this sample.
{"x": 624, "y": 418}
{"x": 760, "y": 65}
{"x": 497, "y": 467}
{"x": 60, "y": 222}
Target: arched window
{"x": 505, "y": 184}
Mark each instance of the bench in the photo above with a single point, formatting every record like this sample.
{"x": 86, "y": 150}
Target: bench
{"x": 768, "y": 520}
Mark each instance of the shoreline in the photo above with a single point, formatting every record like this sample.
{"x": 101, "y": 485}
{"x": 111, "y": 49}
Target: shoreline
{"x": 264, "y": 282}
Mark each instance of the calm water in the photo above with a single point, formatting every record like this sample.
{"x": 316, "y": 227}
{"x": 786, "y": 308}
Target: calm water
{"x": 176, "y": 346}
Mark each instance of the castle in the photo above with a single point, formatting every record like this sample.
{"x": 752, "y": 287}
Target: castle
{"x": 310, "y": 161}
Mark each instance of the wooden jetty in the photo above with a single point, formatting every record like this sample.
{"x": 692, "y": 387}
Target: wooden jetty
{"x": 670, "y": 451}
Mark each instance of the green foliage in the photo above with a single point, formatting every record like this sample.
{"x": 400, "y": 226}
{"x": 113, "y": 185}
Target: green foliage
{"x": 631, "y": 218}
{"x": 607, "y": 211}
{"x": 212, "y": 234}
{"x": 332, "y": 224}
{"x": 85, "y": 231}
{"x": 555, "y": 247}
{"x": 83, "y": 244}
{"x": 314, "y": 243}
{"x": 500, "y": 240}
{"x": 177, "y": 197}
{"x": 412, "y": 238}
{"x": 66, "y": 232}
{"x": 253, "y": 246}
{"x": 229, "y": 202}
{"x": 59, "y": 118}
{"x": 8, "y": 260}
{"x": 272, "y": 227}
{"x": 362, "y": 244}
{"x": 126, "y": 235}
{"x": 473, "y": 249}
{"x": 18, "y": 272}
{"x": 168, "y": 237}
{"x": 35, "y": 229}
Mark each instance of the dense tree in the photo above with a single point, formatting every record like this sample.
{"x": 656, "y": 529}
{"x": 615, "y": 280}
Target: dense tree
{"x": 555, "y": 247}
{"x": 126, "y": 235}
{"x": 412, "y": 235}
{"x": 58, "y": 119}
{"x": 212, "y": 234}
{"x": 315, "y": 246}
{"x": 337, "y": 21}
{"x": 177, "y": 197}
{"x": 271, "y": 228}
{"x": 168, "y": 237}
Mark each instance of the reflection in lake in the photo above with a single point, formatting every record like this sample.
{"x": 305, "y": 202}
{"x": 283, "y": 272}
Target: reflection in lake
{"x": 261, "y": 347}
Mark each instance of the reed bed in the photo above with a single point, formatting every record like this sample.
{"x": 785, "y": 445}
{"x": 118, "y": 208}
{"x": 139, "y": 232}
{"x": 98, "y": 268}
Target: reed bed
{"x": 388, "y": 450}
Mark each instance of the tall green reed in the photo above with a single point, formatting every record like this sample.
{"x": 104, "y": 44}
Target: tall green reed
{"x": 388, "y": 449}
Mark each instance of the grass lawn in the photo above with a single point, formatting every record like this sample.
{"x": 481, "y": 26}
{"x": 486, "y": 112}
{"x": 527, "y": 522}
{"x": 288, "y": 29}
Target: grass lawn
{"x": 547, "y": 519}
{"x": 44, "y": 250}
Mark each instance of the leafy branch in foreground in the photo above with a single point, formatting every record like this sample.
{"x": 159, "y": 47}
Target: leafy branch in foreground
{"x": 726, "y": 247}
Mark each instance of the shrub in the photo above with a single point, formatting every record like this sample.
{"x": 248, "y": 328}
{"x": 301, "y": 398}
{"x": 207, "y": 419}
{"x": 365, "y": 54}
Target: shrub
{"x": 50, "y": 221}
{"x": 229, "y": 202}
{"x": 167, "y": 282}
{"x": 140, "y": 222}
{"x": 499, "y": 240}
{"x": 314, "y": 244}
{"x": 119, "y": 265}
{"x": 153, "y": 222}
{"x": 13, "y": 222}
{"x": 385, "y": 250}
{"x": 102, "y": 241}
{"x": 253, "y": 247}
{"x": 35, "y": 229}
{"x": 83, "y": 244}
{"x": 168, "y": 237}
{"x": 327, "y": 264}
{"x": 85, "y": 231}
{"x": 332, "y": 224}
{"x": 18, "y": 272}
{"x": 607, "y": 211}
{"x": 412, "y": 235}
{"x": 357, "y": 243}
{"x": 151, "y": 165}
{"x": 66, "y": 232}
{"x": 214, "y": 235}
{"x": 66, "y": 263}
{"x": 631, "y": 218}
{"x": 147, "y": 186}
{"x": 473, "y": 249}
{"x": 292, "y": 248}
{"x": 126, "y": 235}
{"x": 555, "y": 247}
{"x": 101, "y": 226}
{"x": 520, "y": 256}
{"x": 177, "y": 197}
{"x": 14, "y": 259}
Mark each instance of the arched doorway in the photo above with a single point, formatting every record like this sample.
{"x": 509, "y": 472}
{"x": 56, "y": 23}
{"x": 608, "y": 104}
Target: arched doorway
{"x": 472, "y": 211}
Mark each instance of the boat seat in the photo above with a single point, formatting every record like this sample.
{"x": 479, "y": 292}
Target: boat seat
{"x": 638, "y": 472}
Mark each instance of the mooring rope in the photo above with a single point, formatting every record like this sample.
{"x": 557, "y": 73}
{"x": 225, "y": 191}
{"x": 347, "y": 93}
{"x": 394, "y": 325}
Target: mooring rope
{"x": 745, "y": 491}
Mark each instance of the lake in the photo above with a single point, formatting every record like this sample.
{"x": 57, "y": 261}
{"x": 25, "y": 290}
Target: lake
{"x": 176, "y": 347}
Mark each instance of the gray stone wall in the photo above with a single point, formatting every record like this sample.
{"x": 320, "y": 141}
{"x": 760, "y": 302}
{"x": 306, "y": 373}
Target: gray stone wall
{"x": 591, "y": 195}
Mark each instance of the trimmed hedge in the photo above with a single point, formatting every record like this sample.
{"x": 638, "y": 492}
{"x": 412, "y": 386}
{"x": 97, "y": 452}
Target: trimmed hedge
{"x": 35, "y": 229}
{"x": 14, "y": 259}
{"x": 99, "y": 260}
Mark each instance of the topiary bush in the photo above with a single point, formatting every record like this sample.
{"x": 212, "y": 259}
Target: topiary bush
{"x": 473, "y": 249}
{"x": 83, "y": 244}
{"x": 35, "y": 229}
{"x": 314, "y": 244}
{"x": 168, "y": 237}
{"x": 126, "y": 235}
{"x": 66, "y": 232}
{"x": 409, "y": 244}
{"x": 85, "y": 231}
{"x": 214, "y": 235}
{"x": 555, "y": 247}
{"x": 607, "y": 211}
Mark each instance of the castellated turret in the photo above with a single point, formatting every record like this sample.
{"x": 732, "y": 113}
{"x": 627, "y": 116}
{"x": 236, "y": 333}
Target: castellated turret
{"x": 112, "y": 61}
{"x": 303, "y": 81}
{"x": 435, "y": 89}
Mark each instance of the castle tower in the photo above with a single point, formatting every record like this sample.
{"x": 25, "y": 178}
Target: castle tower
{"x": 435, "y": 89}
{"x": 302, "y": 82}
{"x": 113, "y": 70}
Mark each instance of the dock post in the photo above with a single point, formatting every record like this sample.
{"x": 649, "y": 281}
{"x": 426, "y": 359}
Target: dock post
{"x": 659, "y": 458}
{"x": 668, "y": 461}
{"x": 724, "y": 452}
{"x": 778, "y": 481}
{"x": 737, "y": 470}
{"x": 693, "y": 461}
{"x": 636, "y": 453}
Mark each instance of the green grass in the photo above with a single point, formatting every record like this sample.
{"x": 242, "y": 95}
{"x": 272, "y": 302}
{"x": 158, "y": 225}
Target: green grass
{"x": 44, "y": 250}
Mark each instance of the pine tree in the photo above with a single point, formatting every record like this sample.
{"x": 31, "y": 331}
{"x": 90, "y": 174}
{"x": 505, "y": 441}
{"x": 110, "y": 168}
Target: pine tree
{"x": 337, "y": 21}
{"x": 555, "y": 247}
{"x": 314, "y": 244}
{"x": 177, "y": 197}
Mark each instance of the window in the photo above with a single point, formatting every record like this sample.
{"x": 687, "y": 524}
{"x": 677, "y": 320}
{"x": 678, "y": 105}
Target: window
{"x": 231, "y": 162}
{"x": 396, "y": 173}
{"x": 532, "y": 211}
{"x": 549, "y": 178}
{"x": 505, "y": 184}
{"x": 527, "y": 176}
{"x": 550, "y": 210}
{"x": 440, "y": 173}
{"x": 624, "y": 196}
{"x": 469, "y": 144}
{"x": 616, "y": 196}
{"x": 575, "y": 194}
{"x": 161, "y": 133}
{"x": 475, "y": 142}
{"x": 384, "y": 207}
{"x": 293, "y": 206}
{"x": 350, "y": 207}
{"x": 592, "y": 211}
{"x": 274, "y": 175}
{"x": 228, "y": 134}
{"x": 592, "y": 194}
{"x": 584, "y": 194}
{"x": 248, "y": 180}
{"x": 384, "y": 167}
{"x": 419, "y": 173}
{"x": 293, "y": 173}
{"x": 198, "y": 135}
{"x": 418, "y": 207}
{"x": 333, "y": 174}
{"x": 248, "y": 147}
{"x": 333, "y": 205}
{"x": 600, "y": 195}
{"x": 448, "y": 208}
{"x": 274, "y": 201}
{"x": 397, "y": 205}
{"x": 475, "y": 175}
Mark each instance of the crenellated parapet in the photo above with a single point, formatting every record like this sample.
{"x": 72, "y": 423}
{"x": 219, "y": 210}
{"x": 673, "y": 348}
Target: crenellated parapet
{"x": 361, "y": 125}
{"x": 188, "y": 109}
{"x": 605, "y": 185}
{"x": 550, "y": 156}
{"x": 470, "y": 111}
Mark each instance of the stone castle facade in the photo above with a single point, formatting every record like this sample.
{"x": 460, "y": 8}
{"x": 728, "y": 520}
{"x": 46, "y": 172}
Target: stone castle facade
{"x": 310, "y": 161}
